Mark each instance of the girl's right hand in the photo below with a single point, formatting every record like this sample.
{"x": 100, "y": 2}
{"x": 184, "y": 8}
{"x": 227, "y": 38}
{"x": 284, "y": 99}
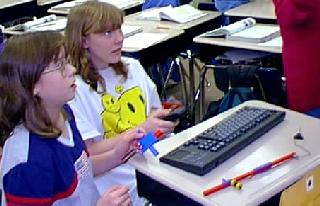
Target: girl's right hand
{"x": 155, "y": 122}
{"x": 115, "y": 196}
{"x": 127, "y": 141}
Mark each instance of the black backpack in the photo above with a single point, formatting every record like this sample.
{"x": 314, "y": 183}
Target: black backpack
{"x": 237, "y": 83}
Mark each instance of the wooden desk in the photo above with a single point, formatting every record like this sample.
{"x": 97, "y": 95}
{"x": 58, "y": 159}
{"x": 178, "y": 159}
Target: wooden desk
{"x": 262, "y": 9}
{"x": 277, "y": 142}
{"x": 236, "y": 44}
{"x": 65, "y": 10}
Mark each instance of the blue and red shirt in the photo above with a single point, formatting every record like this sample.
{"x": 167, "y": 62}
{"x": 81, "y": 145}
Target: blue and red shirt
{"x": 36, "y": 170}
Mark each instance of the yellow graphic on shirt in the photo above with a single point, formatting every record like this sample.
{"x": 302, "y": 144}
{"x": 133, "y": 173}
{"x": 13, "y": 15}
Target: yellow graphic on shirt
{"x": 119, "y": 89}
{"x": 124, "y": 113}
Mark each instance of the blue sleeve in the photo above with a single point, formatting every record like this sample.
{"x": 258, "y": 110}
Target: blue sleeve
{"x": 28, "y": 184}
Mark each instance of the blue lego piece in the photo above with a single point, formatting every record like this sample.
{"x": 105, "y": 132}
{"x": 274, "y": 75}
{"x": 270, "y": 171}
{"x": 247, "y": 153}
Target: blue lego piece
{"x": 147, "y": 142}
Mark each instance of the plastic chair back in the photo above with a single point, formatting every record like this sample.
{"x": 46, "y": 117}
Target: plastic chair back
{"x": 224, "y": 5}
{"x": 159, "y": 3}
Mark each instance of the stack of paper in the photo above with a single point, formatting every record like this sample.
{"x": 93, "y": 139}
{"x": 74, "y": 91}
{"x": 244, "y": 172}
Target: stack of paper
{"x": 256, "y": 34}
{"x": 122, "y": 4}
{"x": 181, "y": 14}
{"x": 57, "y": 25}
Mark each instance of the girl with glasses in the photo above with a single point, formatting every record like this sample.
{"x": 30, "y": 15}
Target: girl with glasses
{"x": 45, "y": 161}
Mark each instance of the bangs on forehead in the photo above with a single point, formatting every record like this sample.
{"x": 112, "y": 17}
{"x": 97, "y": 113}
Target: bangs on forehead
{"x": 59, "y": 54}
{"x": 46, "y": 43}
{"x": 108, "y": 20}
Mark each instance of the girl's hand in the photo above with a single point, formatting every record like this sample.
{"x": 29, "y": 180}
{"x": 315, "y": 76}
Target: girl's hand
{"x": 116, "y": 196}
{"x": 128, "y": 141}
{"x": 155, "y": 122}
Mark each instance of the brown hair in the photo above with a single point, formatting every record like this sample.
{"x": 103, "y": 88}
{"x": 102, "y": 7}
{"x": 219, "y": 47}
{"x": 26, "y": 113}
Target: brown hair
{"x": 91, "y": 17}
{"x": 23, "y": 60}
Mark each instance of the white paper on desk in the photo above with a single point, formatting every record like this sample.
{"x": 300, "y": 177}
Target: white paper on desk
{"x": 152, "y": 14}
{"x": 256, "y": 34}
{"x": 276, "y": 42}
{"x": 70, "y": 4}
{"x": 57, "y": 25}
{"x": 180, "y": 14}
{"x": 143, "y": 40}
{"x": 122, "y": 4}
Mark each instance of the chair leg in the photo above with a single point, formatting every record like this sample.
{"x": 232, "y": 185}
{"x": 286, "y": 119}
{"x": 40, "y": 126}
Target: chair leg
{"x": 202, "y": 92}
{"x": 166, "y": 79}
{"x": 183, "y": 81}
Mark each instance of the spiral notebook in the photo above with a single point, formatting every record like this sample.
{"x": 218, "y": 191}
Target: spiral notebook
{"x": 246, "y": 30}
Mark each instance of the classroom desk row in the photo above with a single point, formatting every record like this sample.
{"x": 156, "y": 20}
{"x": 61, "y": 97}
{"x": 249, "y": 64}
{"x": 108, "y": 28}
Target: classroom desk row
{"x": 171, "y": 29}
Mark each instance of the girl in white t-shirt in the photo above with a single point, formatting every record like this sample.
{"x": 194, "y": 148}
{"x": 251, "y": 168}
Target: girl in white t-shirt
{"x": 113, "y": 93}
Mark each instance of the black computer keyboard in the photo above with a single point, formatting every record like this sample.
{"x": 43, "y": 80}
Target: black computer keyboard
{"x": 212, "y": 147}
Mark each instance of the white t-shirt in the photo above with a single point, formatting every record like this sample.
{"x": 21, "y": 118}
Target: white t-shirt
{"x": 126, "y": 104}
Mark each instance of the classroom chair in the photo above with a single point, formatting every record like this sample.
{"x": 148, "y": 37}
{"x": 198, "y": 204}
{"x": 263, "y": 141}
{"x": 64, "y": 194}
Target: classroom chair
{"x": 221, "y": 6}
{"x": 210, "y": 6}
{"x": 241, "y": 68}
{"x": 224, "y": 5}
{"x": 159, "y": 3}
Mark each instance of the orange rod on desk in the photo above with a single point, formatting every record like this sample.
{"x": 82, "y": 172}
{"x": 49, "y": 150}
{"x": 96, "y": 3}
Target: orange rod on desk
{"x": 262, "y": 168}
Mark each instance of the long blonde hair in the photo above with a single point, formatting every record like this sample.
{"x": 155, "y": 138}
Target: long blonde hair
{"x": 91, "y": 17}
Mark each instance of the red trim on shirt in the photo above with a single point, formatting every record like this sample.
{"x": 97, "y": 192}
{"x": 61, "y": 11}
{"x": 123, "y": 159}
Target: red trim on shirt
{"x": 13, "y": 200}
{"x": 86, "y": 150}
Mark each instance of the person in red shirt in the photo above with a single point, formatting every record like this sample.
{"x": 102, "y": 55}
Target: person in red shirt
{"x": 299, "y": 22}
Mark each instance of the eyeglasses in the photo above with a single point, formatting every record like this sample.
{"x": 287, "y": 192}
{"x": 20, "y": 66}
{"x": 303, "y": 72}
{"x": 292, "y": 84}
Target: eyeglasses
{"x": 60, "y": 65}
